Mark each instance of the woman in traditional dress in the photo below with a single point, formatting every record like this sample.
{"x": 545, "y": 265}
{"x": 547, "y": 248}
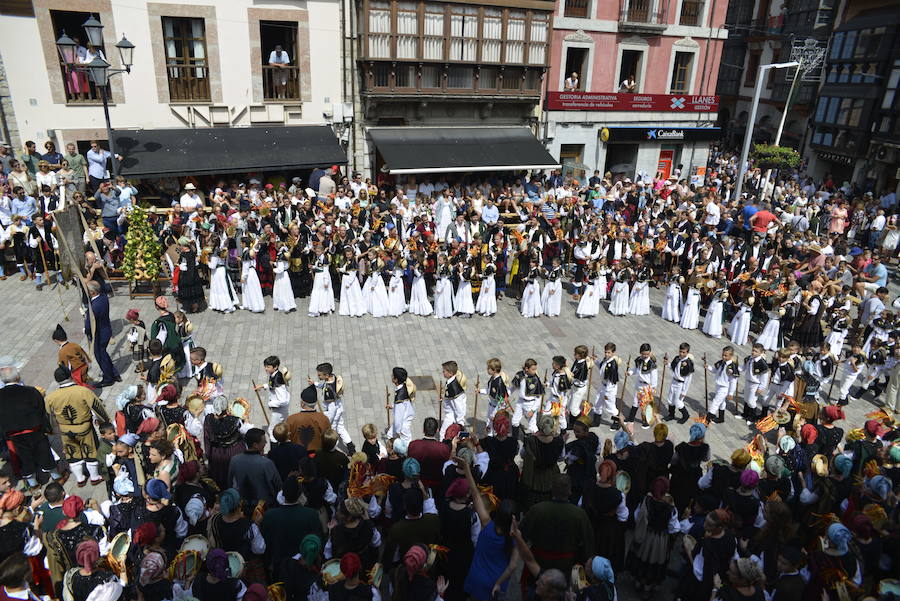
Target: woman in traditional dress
{"x": 589, "y": 304}
{"x": 222, "y": 297}
{"x": 462, "y": 300}
{"x": 83, "y": 581}
{"x": 712, "y": 323}
{"x": 375, "y": 291}
{"x": 321, "y": 301}
{"x": 487, "y": 296}
{"x": 231, "y": 530}
{"x": 353, "y": 532}
{"x": 671, "y": 309}
{"x": 502, "y": 472}
{"x": 618, "y": 300}
{"x": 551, "y": 297}
{"x": 351, "y": 302}
{"x": 711, "y": 556}
{"x": 222, "y": 440}
{"x": 605, "y": 505}
{"x": 639, "y": 300}
{"x": 531, "y": 296}
{"x": 418, "y": 294}
{"x": 190, "y": 287}
{"x": 690, "y": 312}
{"x": 770, "y": 337}
{"x": 251, "y": 292}
{"x": 686, "y": 467}
{"x": 739, "y": 329}
{"x": 808, "y": 331}
{"x": 396, "y": 288}
{"x": 443, "y": 289}
{"x": 282, "y": 293}
{"x": 656, "y": 523}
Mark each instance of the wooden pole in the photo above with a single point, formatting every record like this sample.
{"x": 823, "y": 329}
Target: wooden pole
{"x": 387, "y": 407}
{"x": 587, "y": 396}
{"x": 475, "y": 411}
{"x": 262, "y": 406}
{"x": 705, "y": 390}
{"x": 662, "y": 380}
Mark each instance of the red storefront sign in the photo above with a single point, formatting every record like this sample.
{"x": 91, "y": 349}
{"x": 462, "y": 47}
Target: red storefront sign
{"x": 671, "y": 103}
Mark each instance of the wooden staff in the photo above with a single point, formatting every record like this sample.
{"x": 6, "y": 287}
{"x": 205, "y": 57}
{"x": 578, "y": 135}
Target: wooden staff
{"x": 662, "y": 379}
{"x": 441, "y": 397}
{"x": 541, "y": 407}
{"x": 625, "y": 380}
{"x": 83, "y": 282}
{"x": 387, "y": 407}
{"x": 833, "y": 376}
{"x": 587, "y": 396}
{"x": 47, "y": 275}
{"x": 475, "y": 411}
{"x": 261, "y": 404}
{"x": 705, "y": 390}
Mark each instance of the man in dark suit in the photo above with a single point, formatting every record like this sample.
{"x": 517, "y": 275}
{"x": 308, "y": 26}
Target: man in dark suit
{"x": 101, "y": 334}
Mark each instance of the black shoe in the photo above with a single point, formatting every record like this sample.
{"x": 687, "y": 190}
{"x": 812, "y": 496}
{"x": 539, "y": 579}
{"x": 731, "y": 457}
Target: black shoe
{"x": 685, "y": 416}
{"x": 104, "y": 384}
{"x": 631, "y": 413}
{"x": 351, "y": 448}
{"x": 671, "y": 414}
{"x": 615, "y": 425}
{"x": 118, "y": 378}
{"x": 843, "y": 402}
{"x": 515, "y": 432}
{"x": 721, "y": 418}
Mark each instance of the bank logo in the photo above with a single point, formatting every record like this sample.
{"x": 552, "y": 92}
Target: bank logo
{"x": 651, "y": 134}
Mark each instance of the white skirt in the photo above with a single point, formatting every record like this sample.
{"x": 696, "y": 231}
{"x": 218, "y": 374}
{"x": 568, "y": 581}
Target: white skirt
{"x": 352, "y": 303}
{"x": 282, "y": 293}
{"x": 618, "y": 304}
{"x": 690, "y": 313}
{"x": 551, "y": 303}
{"x": 463, "y": 299}
{"x": 487, "y": 297}
{"x": 768, "y": 338}
{"x": 589, "y": 305}
{"x": 836, "y": 341}
{"x": 377, "y": 299}
{"x": 396, "y": 297}
{"x": 418, "y": 297}
{"x": 671, "y": 310}
{"x": 639, "y": 302}
{"x": 531, "y": 300}
{"x": 221, "y": 292}
{"x": 251, "y": 292}
{"x": 602, "y": 287}
{"x": 739, "y": 329}
{"x": 443, "y": 298}
{"x": 321, "y": 301}
{"x": 712, "y": 323}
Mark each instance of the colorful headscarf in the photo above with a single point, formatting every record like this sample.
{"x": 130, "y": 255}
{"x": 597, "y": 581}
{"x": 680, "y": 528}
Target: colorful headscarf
{"x": 87, "y": 553}
{"x": 840, "y": 537}
{"x": 602, "y": 569}
{"x": 697, "y": 432}
{"x": 217, "y": 564}
{"x": 414, "y": 560}
{"x": 153, "y": 568}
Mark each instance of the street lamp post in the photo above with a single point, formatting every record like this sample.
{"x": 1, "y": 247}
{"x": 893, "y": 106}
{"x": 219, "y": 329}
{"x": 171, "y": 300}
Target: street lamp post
{"x": 748, "y": 135}
{"x": 98, "y": 70}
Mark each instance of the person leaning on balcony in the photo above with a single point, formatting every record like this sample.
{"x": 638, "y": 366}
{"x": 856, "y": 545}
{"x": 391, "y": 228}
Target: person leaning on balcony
{"x": 280, "y": 59}
{"x": 628, "y": 85}
{"x": 572, "y": 83}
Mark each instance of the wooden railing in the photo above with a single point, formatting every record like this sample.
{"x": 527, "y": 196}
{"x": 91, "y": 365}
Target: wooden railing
{"x": 577, "y": 8}
{"x": 79, "y": 88}
{"x": 188, "y": 82}
{"x": 281, "y": 83}
{"x": 691, "y": 12}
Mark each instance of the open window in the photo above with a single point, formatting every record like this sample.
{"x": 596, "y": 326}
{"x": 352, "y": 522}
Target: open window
{"x": 281, "y": 71}
{"x": 77, "y": 84}
{"x": 632, "y": 62}
{"x": 576, "y": 61}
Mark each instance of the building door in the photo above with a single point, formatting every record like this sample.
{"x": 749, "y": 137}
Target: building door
{"x": 621, "y": 160}
{"x": 571, "y": 159}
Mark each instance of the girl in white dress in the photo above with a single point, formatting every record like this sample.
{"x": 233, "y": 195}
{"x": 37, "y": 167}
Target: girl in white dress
{"x": 603, "y": 273}
{"x": 770, "y": 337}
{"x": 352, "y": 303}
{"x": 739, "y": 330}
{"x": 221, "y": 293}
{"x": 531, "y": 297}
{"x": 418, "y": 295}
{"x": 396, "y": 291}
{"x": 618, "y": 300}
{"x": 282, "y": 293}
{"x": 712, "y": 323}
{"x": 376, "y": 292}
{"x": 251, "y": 292}
{"x": 639, "y": 300}
{"x": 690, "y": 312}
{"x": 443, "y": 289}
{"x": 589, "y": 305}
{"x": 487, "y": 296}
{"x": 463, "y": 299}
{"x": 321, "y": 301}
{"x": 551, "y": 298}
{"x": 671, "y": 310}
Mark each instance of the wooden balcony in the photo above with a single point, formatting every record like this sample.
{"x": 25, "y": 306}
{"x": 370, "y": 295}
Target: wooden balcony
{"x": 638, "y": 16}
{"x": 691, "y": 13}
{"x": 281, "y": 83}
{"x": 80, "y": 89}
{"x": 188, "y": 82}
{"x": 447, "y": 79}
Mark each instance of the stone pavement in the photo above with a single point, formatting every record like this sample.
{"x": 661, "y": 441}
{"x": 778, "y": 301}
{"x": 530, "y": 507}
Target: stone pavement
{"x": 363, "y": 350}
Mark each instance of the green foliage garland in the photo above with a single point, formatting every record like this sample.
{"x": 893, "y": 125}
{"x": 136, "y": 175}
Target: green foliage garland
{"x": 143, "y": 254}
{"x": 766, "y": 156}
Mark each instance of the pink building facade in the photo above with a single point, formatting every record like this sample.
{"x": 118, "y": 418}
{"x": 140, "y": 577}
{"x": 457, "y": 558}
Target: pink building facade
{"x": 666, "y": 117}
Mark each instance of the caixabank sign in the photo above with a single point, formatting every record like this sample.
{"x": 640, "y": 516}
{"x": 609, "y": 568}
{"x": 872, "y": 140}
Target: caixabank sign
{"x": 660, "y": 134}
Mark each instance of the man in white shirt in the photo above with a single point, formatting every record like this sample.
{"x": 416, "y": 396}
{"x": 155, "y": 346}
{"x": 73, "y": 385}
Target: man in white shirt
{"x": 190, "y": 201}
{"x": 426, "y": 188}
{"x": 876, "y": 228}
{"x": 279, "y": 59}
{"x": 357, "y": 184}
{"x": 342, "y": 202}
{"x": 713, "y": 215}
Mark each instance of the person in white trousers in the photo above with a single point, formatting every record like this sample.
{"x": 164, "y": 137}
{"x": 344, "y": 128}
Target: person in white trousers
{"x": 530, "y": 390}
{"x": 682, "y": 373}
{"x": 756, "y": 376}
{"x": 332, "y": 401}
{"x": 580, "y": 373}
{"x": 608, "y": 371}
{"x": 726, "y": 373}
{"x": 279, "y": 394}
{"x": 403, "y": 407}
{"x": 454, "y": 396}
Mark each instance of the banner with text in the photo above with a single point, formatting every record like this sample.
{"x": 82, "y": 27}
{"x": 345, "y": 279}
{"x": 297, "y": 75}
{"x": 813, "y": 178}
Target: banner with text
{"x": 671, "y": 103}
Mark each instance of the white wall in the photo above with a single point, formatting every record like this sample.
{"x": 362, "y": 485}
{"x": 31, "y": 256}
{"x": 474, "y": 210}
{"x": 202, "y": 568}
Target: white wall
{"x": 35, "y": 112}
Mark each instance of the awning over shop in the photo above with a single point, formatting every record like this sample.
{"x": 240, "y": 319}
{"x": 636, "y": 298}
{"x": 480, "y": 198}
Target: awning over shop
{"x": 454, "y": 149}
{"x": 165, "y": 152}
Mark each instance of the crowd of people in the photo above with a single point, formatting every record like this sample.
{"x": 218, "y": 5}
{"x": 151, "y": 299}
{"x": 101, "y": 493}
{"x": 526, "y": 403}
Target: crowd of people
{"x": 203, "y": 504}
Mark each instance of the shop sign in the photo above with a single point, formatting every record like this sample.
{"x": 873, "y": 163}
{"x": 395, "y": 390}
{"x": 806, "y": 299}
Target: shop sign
{"x": 670, "y": 103}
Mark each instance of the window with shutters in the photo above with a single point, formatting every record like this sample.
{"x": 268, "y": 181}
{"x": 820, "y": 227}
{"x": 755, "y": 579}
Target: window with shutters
{"x": 491, "y": 34}
{"x": 434, "y": 32}
{"x": 515, "y": 37}
{"x": 537, "y": 39}
{"x": 379, "y": 30}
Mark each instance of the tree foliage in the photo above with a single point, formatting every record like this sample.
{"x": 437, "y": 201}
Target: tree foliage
{"x": 767, "y": 156}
